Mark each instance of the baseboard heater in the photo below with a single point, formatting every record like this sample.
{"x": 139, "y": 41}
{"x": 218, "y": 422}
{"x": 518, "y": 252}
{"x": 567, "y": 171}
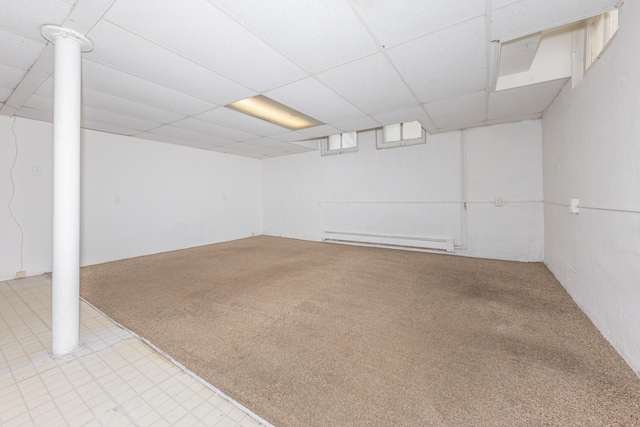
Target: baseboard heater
{"x": 387, "y": 240}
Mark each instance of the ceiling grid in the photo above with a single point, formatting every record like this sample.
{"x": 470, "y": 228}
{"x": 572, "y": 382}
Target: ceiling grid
{"x": 164, "y": 70}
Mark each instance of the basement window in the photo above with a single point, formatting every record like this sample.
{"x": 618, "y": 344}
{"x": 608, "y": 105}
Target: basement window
{"x": 600, "y": 32}
{"x": 400, "y": 135}
{"x": 341, "y": 143}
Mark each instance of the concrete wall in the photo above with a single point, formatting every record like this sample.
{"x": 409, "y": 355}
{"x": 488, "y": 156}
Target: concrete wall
{"x": 591, "y": 145}
{"x": 417, "y": 191}
{"x": 138, "y": 197}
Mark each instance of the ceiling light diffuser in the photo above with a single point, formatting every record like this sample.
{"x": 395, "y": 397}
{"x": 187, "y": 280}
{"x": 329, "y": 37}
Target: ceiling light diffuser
{"x": 272, "y": 111}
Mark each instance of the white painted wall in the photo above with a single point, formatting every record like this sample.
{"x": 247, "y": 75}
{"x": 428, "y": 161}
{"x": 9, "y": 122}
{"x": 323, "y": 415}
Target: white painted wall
{"x": 32, "y": 202}
{"x": 170, "y": 197}
{"x": 591, "y": 144}
{"x": 144, "y": 197}
{"x": 417, "y": 191}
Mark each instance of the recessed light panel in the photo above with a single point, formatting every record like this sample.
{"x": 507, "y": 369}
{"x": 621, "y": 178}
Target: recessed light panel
{"x": 272, "y": 111}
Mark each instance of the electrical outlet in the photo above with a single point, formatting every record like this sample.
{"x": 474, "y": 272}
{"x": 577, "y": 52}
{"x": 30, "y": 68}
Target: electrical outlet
{"x": 20, "y": 274}
{"x": 116, "y": 200}
{"x": 573, "y": 206}
{"x": 497, "y": 202}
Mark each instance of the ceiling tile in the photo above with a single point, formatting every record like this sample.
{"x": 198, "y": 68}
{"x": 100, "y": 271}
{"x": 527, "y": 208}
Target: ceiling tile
{"x": 276, "y": 145}
{"x": 207, "y": 128}
{"x": 445, "y": 64}
{"x": 458, "y": 113}
{"x": 104, "y": 101}
{"x": 316, "y": 35}
{"x": 187, "y": 135}
{"x": 314, "y": 99}
{"x": 233, "y": 119}
{"x": 357, "y": 124}
{"x": 258, "y": 151}
{"x": 393, "y": 24}
{"x": 371, "y": 84}
{"x": 319, "y": 131}
{"x": 17, "y": 51}
{"x": 524, "y": 100}
{"x": 186, "y": 27}
{"x": 106, "y": 127}
{"x": 172, "y": 140}
{"x": 5, "y": 94}
{"x": 10, "y": 76}
{"x": 156, "y": 64}
{"x": 38, "y": 102}
{"x": 310, "y": 144}
{"x": 30, "y": 113}
{"x": 530, "y": 16}
{"x": 408, "y": 115}
{"x": 289, "y": 137}
{"x": 115, "y": 119}
{"x": 513, "y": 119}
{"x": 118, "y": 83}
{"x": 26, "y": 17}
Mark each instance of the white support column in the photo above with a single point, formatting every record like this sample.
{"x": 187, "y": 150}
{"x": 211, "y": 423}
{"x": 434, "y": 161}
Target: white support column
{"x": 65, "y": 300}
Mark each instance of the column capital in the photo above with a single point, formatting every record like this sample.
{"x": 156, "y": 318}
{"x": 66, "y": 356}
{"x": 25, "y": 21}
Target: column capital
{"x": 52, "y": 32}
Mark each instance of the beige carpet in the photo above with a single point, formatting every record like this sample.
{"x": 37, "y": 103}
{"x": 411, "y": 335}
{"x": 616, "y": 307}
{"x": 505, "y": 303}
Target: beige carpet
{"x": 315, "y": 334}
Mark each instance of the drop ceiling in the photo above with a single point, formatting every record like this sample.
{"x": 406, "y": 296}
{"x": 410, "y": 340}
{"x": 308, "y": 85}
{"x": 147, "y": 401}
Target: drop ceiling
{"x": 164, "y": 69}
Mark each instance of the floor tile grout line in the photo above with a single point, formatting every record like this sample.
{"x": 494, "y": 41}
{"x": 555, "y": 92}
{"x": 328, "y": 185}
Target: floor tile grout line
{"x": 186, "y": 370}
{"x": 106, "y": 392}
{"x": 17, "y": 383}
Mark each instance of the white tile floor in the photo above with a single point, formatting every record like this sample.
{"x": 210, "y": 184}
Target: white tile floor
{"x": 112, "y": 379}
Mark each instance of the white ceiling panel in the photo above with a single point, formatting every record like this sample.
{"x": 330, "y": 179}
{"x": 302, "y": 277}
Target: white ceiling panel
{"x": 107, "y": 117}
{"x": 320, "y": 131}
{"x": 118, "y": 83}
{"x": 10, "y": 76}
{"x": 154, "y": 63}
{"x": 17, "y": 51}
{"x": 207, "y": 128}
{"x": 187, "y": 135}
{"x": 242, "y": 148}
{"x": 233, "y": 119}
{"x": 523, "y": 100}
{"x": 186, "y": 27}
{"x": 164, "y": 69}
{"x": 316, "y": 35}
{"x": 414, "y": 18}
{"x": 42, "y": 103}
{"x": 30, "y": 113}
{"x": 291, "y": 136}
{"x": 408, "y": 115}
{"x": 106, "y": 127}
{"x": 175, "y": 141}
{"x": 357, "y": 124}
{"x": 5, "y": 94}
{"x": 104, "y": 101}
{"x": 277, "y": 145}
{"x": 445, "y": 64}
{"x": 311, "y": 144}
{"x": 458, "y": 113}
{"x": 371, "y": 84}
{"x": 26, "y": 17}
{"x": 314, "y": 99}
{"x": 529, "y": 16}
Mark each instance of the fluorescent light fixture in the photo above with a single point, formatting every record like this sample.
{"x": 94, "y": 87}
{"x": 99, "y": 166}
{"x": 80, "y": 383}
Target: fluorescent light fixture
{"x": 272, "y": 111}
